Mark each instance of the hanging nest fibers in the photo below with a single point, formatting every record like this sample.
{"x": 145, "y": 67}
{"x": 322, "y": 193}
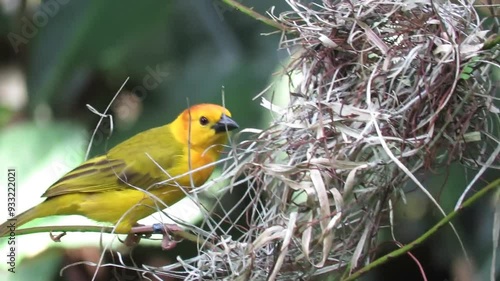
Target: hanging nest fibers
{"x": 385, "y": 89}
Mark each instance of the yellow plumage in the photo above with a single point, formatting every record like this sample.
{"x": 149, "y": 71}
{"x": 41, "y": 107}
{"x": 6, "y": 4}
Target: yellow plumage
{"x": 121, "y": 186}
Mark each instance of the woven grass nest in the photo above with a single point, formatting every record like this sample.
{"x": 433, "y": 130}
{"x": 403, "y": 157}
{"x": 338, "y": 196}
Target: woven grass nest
{"x": 386, "y": 89}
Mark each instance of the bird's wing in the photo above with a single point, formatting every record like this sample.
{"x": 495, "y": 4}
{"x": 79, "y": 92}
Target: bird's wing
{"x": 133, "y": 163}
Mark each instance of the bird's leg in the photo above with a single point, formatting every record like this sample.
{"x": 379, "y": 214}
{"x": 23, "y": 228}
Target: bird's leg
{"x": 134, "y": 236}
{"x": 158, "y": 228}
{"x": 167, "y": 242}
{"x": 57, "y": 238}
{"x": 131, "y": 240}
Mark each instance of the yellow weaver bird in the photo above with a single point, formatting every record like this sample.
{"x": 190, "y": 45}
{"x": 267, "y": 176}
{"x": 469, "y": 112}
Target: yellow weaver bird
{"x": 111, "y": 187}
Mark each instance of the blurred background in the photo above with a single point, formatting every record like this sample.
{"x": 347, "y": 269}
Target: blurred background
{"x": 57, "y": 56}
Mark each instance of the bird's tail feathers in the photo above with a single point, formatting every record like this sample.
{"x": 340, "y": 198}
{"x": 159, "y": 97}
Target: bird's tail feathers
{"x": 12, "y": 224}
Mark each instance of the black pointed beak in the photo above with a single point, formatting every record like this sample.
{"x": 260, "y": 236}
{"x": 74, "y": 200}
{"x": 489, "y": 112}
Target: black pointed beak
{"x": 225, "y": 122}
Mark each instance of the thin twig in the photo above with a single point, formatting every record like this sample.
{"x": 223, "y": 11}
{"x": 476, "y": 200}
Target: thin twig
{"x": 102, "y": 229}
{"x": 405, "y": 249}
{"x": 253, "y": 14}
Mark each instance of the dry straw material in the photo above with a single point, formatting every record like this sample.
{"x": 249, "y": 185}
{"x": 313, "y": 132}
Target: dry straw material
{"x": 385, "y": 89}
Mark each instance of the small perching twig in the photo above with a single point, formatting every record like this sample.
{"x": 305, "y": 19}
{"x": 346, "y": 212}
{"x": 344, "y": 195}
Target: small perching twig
{"x": 253, "y": 14}
{"x": 443, "y": 222}
{"x": 102, "y": 229}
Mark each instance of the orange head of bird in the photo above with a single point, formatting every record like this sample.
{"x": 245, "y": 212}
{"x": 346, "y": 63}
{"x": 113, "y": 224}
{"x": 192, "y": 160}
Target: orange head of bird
{"x": 205, "y": 125}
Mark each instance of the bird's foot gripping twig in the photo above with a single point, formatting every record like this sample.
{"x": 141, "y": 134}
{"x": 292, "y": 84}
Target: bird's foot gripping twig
{"x": 57, "y": 238}
{"x": 167, "y": 242}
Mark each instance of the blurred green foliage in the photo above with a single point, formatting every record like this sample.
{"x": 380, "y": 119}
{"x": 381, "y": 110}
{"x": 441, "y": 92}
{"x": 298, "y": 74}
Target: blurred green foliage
{"x": 175, "y": 53}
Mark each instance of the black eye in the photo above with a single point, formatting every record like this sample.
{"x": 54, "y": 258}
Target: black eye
{"x": 203, "y": 120}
